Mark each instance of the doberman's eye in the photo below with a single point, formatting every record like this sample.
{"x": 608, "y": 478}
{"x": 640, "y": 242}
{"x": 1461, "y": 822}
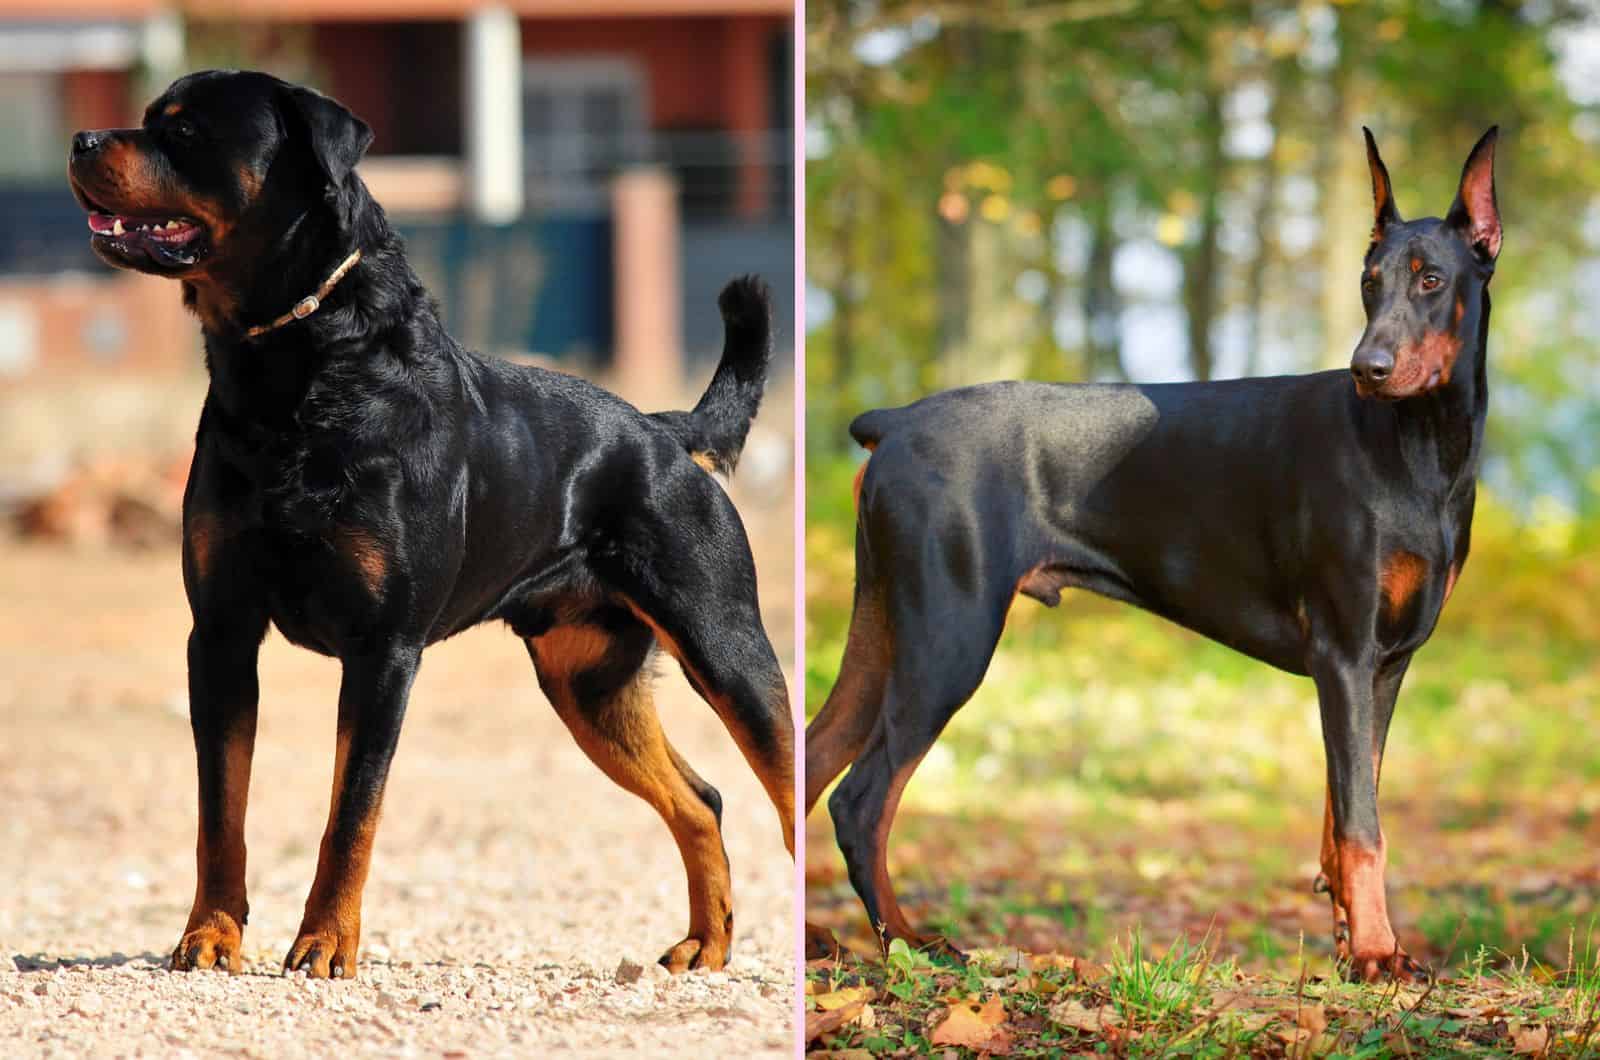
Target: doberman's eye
{"x": 1368, "y": 283}
{"x": 1431, "y": 282}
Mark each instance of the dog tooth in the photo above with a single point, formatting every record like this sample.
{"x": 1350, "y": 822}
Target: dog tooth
{"x": 116, "y": 227}
{"x": 172, "y": 224}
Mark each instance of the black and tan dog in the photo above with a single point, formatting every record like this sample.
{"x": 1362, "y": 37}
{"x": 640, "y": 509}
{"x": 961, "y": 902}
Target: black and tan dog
{"x": 1315, "y": 522}
{"x": 369, "y": 487}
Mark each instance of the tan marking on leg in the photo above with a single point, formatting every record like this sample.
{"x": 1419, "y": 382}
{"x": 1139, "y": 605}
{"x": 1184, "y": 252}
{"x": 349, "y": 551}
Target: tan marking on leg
{"x": 215, "y": 928}
{"x": 1333, "y": 882}
{"x": 895, "y": 925}
{"x": 624, "y": 738}
{"x": 203, "y": 533}
{"x": 331, "y": 925}
{"x": 1402, "y": 576}
{"x": 838, "y": 732}
{"x": 774, "y": 770}
{"x": 1361, "y": 872}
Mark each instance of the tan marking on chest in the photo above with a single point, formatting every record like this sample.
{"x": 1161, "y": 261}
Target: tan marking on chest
{"x": 1450, "y": 580}
{"x": 1403, "y": 575}
{"x": 365, "y": 553}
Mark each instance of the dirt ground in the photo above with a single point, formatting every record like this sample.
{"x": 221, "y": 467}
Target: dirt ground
{"x": 514, "y": 894}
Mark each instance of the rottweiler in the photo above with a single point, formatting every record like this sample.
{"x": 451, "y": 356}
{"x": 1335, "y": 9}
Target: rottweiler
{"x": 366, "y": 485}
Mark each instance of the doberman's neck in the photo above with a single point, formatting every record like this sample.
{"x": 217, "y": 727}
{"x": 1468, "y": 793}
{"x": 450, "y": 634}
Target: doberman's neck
{"x": 1441, "y": 433}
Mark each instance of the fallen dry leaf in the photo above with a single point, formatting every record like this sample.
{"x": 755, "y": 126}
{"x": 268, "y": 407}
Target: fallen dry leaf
{"x": 820, "y": 1023}
{"x": 980, "y": 1028}
{"x": 1313, "y": 1018}
{"x": 840, "y": 998}
{"x": 1530, "y": 1041}
{"x": 1070, "y": 1012}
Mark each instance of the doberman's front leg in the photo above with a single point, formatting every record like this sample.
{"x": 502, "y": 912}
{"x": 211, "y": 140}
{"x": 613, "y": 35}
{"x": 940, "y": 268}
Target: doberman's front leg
{"x": 372, "y": 704}
{"x": 1385, "y": 690}
{"x": 222, "y": 712}
{"x": 1354, "y": 852}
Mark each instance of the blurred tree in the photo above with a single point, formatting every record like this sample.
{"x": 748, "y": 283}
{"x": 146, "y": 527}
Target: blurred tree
{"x": 1009, "y": 188}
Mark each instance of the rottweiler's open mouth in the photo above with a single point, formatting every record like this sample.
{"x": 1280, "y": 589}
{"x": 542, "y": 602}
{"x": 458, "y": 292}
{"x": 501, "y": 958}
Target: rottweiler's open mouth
{"x": 172, "y": 242}
{"x": 165, "y": 243}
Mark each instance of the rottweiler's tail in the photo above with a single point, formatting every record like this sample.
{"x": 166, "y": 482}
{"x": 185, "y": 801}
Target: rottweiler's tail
{"x": 715, "y": 431}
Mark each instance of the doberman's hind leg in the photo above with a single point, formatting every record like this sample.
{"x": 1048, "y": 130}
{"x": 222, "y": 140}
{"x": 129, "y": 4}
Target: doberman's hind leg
{"x": 938, "y": 662}
{"x": 594, "y": 674}
{"x": 840, "y": 730}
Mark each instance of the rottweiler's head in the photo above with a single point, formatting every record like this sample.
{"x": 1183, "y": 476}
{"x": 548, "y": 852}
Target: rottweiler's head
{"x": 224, "y": 163}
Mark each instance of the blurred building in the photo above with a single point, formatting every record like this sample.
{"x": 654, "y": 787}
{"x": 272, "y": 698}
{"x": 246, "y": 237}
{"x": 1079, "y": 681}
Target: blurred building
{"x": 501, "y": 135}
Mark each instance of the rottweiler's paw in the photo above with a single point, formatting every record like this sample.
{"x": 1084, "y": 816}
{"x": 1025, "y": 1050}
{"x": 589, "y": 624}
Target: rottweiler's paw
{"x": 323, "y": 954}
{"x": 693, "y": 953}
{"x": 1397, "y": 966}
{"x": 212, "y": 944}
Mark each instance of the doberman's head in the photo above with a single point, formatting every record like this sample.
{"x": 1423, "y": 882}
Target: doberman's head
{"x": 1423, "y": 281}
{"x": 224, "y": 165}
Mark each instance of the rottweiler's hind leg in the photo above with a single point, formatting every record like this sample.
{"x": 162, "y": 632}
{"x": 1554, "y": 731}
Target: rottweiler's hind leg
{"x": 596, "y": 678}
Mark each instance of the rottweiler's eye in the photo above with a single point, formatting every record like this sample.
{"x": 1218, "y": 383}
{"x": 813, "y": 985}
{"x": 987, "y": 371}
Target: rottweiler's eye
{"x": 1431, "y": 282}
{"x": 184, "y": 129}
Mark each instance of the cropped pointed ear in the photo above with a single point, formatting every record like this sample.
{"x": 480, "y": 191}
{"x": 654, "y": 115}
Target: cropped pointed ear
{"x": 337, "y": 138}
{"x": 1475, "y": 212}
{"x": 1384, "y": 212}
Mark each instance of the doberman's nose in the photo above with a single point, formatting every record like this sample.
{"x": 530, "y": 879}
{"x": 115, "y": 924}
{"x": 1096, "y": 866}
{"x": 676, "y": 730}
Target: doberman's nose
{"x": 86, "y": 142}
{"x": 1371, "y": 367}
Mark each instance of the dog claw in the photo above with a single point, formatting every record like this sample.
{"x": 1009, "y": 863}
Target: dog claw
{"x": 1320, "y": 885}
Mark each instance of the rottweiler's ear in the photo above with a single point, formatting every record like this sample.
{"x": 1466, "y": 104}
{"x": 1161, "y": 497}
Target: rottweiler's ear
{"x": 1475, "y": 212}
{"x": 1384, "y": 212}
{"x": 337, "y": 138}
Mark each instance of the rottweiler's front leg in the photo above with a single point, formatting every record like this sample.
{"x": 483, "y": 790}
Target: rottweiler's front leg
{"x": 222, "y": 712}
{"x": 372, "y": 704}
{"x": 1354, "y": 852}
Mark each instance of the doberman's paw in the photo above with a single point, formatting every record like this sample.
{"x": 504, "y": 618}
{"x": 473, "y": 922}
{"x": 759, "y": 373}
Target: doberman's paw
{"x": 821, "y": 945}
{"x": 1397, "y": 966}
{"x": 695, "y": 954}
{"x": 323, "y": 953}
{"x": 213, "y": 944}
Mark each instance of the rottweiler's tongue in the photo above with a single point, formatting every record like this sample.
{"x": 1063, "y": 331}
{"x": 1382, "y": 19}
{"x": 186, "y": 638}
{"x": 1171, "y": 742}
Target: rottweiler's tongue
{"x": 168, "y": 231}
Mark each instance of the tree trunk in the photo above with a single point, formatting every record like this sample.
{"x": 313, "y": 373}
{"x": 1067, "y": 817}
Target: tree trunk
{"x": 1201, "y": 274}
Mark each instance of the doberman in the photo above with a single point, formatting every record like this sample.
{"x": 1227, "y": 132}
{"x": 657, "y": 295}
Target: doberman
{"x": 1314, "y": 522}
{"x": 366, "y": 485}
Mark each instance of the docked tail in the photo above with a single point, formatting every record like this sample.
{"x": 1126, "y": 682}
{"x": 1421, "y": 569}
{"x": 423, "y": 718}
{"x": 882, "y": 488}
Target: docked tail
{"x": 714, "y": 432}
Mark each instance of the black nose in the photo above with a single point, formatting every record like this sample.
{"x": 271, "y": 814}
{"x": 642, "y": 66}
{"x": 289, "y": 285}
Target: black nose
{"x": 85, "y": 142}
{"x": 1372, "y": 367}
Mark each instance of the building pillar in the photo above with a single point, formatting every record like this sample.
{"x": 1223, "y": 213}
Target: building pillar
{"x": 492, "y": 68}
{"x": 162, "y": 44}
{"x": 648, "y": 301}
{"x": 745, "y": 95}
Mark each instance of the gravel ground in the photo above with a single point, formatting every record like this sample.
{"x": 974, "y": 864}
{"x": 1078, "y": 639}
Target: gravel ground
{"x": 517, "y": 900}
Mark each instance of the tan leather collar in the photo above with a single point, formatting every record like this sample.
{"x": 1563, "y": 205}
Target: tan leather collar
{"x": 311, "y": 302}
